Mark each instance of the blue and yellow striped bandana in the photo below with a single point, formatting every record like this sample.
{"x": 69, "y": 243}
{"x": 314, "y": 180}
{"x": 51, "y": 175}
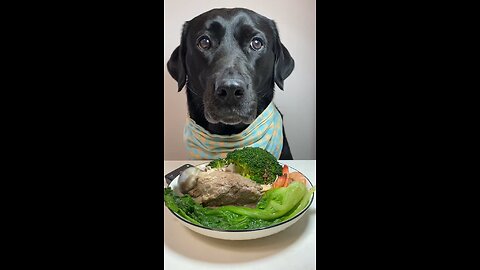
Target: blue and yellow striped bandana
{"x": 265, "y": 132}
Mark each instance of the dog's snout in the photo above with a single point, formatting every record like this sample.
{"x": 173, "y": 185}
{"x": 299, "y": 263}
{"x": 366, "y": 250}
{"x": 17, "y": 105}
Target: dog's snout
{"x": 230, "y": 90}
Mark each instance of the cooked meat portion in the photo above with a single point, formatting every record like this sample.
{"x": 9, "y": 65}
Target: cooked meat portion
{"x": 217, "y": 188}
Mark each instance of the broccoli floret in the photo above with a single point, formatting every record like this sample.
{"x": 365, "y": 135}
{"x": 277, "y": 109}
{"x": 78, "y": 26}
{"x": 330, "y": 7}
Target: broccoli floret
{"x": 218, "y": 163}
{"x": 256, "y": 164}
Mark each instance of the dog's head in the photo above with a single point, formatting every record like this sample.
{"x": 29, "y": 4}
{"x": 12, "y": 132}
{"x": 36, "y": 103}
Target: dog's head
{"x": 230, "y": 60}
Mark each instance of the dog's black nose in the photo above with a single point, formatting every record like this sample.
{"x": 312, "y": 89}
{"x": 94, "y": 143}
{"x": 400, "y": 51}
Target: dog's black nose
{"x": 230, "y": 90}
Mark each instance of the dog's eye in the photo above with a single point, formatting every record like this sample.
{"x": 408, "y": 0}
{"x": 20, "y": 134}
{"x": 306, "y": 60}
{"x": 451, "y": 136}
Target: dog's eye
{"x": 256, "y": 44}
{"x": 204, "y": 43}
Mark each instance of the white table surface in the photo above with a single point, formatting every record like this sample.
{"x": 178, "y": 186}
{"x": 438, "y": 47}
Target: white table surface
{"x": 293, "y": 248}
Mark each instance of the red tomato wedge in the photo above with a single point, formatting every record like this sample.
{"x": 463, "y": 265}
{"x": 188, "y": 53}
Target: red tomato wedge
{"x": 285, "y": 170}
{"x": 280, "y": 181}
{"x": 287, "y": 182}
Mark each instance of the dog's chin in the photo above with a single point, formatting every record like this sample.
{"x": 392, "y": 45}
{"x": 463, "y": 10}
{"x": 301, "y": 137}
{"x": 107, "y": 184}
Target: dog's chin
{"x": 229, "y": 120}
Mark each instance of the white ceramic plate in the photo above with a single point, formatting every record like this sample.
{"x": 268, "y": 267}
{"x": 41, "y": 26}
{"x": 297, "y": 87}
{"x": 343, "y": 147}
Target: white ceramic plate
{"x": 241, "y": 234}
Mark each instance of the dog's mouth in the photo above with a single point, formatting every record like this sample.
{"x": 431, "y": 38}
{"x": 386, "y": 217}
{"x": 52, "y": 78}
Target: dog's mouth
{"x": 231, "y": 116}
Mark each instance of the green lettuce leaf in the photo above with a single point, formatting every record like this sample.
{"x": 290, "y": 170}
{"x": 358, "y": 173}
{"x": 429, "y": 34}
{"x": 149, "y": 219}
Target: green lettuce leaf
{"x": 275, "y": 206}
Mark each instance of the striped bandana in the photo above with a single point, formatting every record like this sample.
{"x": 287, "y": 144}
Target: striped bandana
{"x": 265, "y": 132}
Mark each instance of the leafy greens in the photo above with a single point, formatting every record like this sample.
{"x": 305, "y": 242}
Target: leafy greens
{"x": 275, "y": 206}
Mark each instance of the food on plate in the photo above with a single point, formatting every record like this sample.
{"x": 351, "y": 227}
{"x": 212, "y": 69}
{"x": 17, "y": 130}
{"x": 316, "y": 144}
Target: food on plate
{"x": 275, "y": 206}
{"x": 286, "y": 178}
{"x": 296, "y": 176}
{"x": 216, "y": 188}
{"x": 276, "y": 203}
{"x": 218, "y": 163}
{"x": 226, "y": 196}
{"x": 285, "y": 170}
{"x": 253, "y": 163}
{"x": 187, "y": 180}
{"x": 280, "y": 182}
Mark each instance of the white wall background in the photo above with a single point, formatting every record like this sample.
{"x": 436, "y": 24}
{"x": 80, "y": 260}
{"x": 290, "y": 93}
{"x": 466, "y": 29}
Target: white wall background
{"x": 296, "y": 24}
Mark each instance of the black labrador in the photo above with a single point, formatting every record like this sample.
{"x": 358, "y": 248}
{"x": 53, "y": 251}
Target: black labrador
{"x": 230, "y": 59}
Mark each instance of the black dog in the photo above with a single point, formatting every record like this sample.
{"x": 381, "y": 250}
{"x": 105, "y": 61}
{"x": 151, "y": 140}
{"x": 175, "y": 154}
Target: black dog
{"x": 230, "y": 59}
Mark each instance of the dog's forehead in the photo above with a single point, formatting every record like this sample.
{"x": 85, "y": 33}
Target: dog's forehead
{"x": 229, "y": 18}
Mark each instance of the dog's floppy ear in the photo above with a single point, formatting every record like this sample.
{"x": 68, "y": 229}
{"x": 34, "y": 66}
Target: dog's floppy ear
{"x": 176, "y": 64}
{"x": 284, "y": 63}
